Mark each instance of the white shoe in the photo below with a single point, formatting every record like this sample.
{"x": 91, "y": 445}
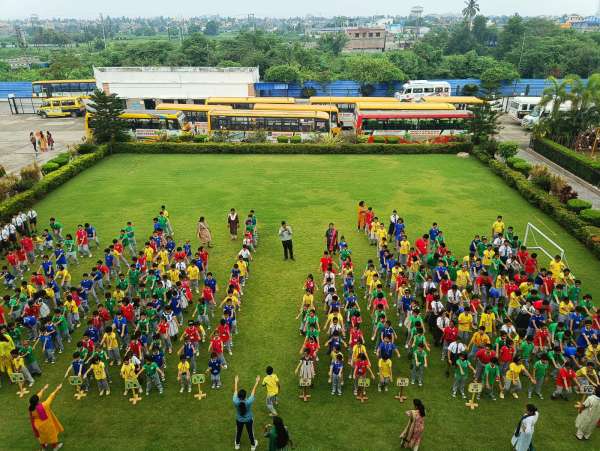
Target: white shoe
{"x": 236, "y": 446}
{"x": 253, "y": 447}
{"x": 181, "y": 390}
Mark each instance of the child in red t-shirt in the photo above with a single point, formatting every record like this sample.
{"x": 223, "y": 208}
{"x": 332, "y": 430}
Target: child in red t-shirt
{"x": 564, "y": 381}
{"x": 216, "y": 346}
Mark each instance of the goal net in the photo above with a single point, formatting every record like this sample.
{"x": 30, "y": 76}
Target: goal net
{"x": 539, "y": 241}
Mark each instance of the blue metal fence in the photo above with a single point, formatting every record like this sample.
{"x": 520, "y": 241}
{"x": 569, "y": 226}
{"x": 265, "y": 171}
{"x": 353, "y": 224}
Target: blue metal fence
{"x": 18, "y": 88}
{"x": 350, "y": 88}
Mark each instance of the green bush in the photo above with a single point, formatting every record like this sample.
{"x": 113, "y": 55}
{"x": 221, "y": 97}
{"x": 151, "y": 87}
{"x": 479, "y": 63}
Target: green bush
{"x": 575, "y": 162}
{"x": 61, "y": 159}
{"x": 24, "y": 185}
{"x": 393, "y": 140}
{"x": 591, "y": 215}
{"x": 30, "y": 174}
{"x": 518, "y": 164}
{"x": 301, "y": 148}
{"x": 541, "y": 176}
{"x": 296, "y": 139}
{"x": 86, "y": 148}
{"x": 578, "y": 205}
{"x": 508, "y": 149}
{"x": 185, "y": 138}
{"x": 200, "y": 138}
{"x": 49, "y": 167}
{"x": 379, "y": 139}
{"x": 2, "y": 171}
{"x": 547, "y": 203}
{"x": 283, "y": 139}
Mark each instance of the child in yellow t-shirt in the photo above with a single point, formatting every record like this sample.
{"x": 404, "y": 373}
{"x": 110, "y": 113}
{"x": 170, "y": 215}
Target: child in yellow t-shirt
{"x": 385, "y": 373}
{"x": 183, "y": 374}
{"x": 97, "y": 367}
{"x": 128, "y": 373}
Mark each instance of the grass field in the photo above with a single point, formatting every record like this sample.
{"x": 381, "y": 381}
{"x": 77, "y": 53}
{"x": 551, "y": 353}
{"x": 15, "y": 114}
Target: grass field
{"x": 308, "y": 192}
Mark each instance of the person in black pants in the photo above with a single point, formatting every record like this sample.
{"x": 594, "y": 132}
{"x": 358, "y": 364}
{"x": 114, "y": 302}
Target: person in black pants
{"x": 243, "y": 413}
{"x": 285, "y": 235}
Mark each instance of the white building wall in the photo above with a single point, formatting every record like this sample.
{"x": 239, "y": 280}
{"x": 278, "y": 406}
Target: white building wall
{"x": 176, "y": 82}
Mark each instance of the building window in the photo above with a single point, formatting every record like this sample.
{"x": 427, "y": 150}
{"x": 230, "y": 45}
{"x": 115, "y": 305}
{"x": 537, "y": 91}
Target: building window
{"x": 357, "y": 35}
{"x": 377, "y": 35}
{"x": 370, "y": 35}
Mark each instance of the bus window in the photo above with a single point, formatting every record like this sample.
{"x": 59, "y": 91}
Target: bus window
{"x": 428, "y": 90}
{"x": 408, "y": 91}
{"x": 438, "y": 90}
{"x": 418, "y": 90}
{"x": 446, "y": 89}
{"x": 172, "y": 124}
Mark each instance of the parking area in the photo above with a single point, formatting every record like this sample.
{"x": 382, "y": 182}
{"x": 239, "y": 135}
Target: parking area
{"x": 16, "y": 150}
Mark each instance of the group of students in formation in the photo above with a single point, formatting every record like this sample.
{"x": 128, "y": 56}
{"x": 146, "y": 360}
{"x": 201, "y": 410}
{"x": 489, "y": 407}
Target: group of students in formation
{"x": 127, "y": 311}
{"x": 497, "y": 315}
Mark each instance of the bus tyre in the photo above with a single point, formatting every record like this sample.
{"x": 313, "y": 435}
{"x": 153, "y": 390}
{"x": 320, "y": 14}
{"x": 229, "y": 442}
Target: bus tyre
{"x": 74, "y": 114}
{"x": 44, "y": 115}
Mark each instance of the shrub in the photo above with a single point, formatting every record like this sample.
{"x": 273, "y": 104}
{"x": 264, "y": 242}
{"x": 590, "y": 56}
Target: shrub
{"x": 541, "y": 176}
{"x": 578, "y": 205}
{"x": 49, "y": 167}
{"x": 31, "y": 173}
{"x": 379, "y": 139}
{"x": 200, "y": 138}
{"x": 508, "y": 149}
{"x": 220, "y": 136}
{"x": 259, "y": 136}
{"x": 301, "y": 148}
{"x": 24, "y": 185}
{"x": 575, "y": 162}
{"x": 490, "y": 147}
{"x": 61, "y": 159}
{"x": 2, "y": 171}
{"x": 7, "y": 185}
{"x": 283, "y": 139}
{"x": 591, "y": 215}
{"x": 518, "y": 164}
{"x": 86, "y": 148}
{"x": 557, "y": 184}
{"x": 566, "y": 194}
{"x": 393, "y": 140}
{"x": 296, "y": 139}
{"x": 185, "y": 138}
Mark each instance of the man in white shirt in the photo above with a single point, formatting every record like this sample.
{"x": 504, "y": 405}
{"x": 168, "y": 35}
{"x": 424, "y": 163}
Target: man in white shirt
{"x": 285, "y": 235}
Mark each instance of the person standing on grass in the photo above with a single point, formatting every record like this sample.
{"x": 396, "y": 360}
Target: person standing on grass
{"x": 243, "y": 413}
{"x": 203, "y": 232}
{"x": 285, "y": 235}
{"x": 233, "y": 222}
{"x": 271, "y": 381}
{"x": 523, "y": 436}
{"x": 44, "y": 423}
{"x": 589, "y": 416}
{"x": 410, "y": 438}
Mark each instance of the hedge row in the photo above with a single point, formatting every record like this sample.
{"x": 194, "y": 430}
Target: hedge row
{"x": 549, "y": 204}
{"x": 49, "y": 183}
{"x": 575, "y": 162}
{"x": 272, "y": 148}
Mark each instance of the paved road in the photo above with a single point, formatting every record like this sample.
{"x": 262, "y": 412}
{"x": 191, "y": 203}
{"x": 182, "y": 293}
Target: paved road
{"x": 512, "y": 131}
{"x": 16, "y": 150}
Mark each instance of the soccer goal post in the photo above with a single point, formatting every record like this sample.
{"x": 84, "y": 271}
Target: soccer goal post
{"x": 537, "y": 240}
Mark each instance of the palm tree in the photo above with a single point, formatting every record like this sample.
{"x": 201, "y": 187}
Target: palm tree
{"x": 557, "y": 93}
{"x": 470, "y": 10}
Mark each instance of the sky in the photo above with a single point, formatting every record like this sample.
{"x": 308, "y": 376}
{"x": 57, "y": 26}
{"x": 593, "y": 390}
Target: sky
{"x": 19, "y": 9}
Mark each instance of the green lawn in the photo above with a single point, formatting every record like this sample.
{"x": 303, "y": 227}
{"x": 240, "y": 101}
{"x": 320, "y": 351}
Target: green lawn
{"x": 308, "y": 192}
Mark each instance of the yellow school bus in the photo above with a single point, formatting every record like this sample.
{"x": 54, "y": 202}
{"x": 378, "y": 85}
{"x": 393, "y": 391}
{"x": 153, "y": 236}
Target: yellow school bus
{"x": 61, "y": 107}
{"x": 247, "y": 103}
{"x": 331, "y": 110}
{"x": 459, "y": 102}
{"x": 241, "y": 124}
{"x": 148, "y": 124}
{"x": 347, "y": 105}
{"x": 195, "y": 115}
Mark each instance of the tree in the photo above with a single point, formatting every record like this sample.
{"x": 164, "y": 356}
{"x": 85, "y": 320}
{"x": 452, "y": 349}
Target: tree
{"x": 511, "y": 36}
{"x": 105, "y": 121}
{"x": 483, "y": 126}
{"x": 470, "y": 10}
{"x": 556, "y": 94}
{"x": 195, "y": 50}
{"x": 492, "y": 78}
{"x": 332, "y": 42}
{"x": 371, "y": 69}
{"x": 284, "y": 73}
{"x": 211, "y": 28}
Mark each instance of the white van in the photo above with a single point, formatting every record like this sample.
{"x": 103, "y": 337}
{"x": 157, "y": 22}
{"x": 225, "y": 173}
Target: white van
{"x": 417, "y": 89}
{"x": 538, "y": 113}
{"x": 519, "y": 107}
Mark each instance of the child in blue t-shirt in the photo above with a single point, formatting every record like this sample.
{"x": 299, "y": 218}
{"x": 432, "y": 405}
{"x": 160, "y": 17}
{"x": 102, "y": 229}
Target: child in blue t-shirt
{"x": 48, "y": 346}
{"x": 214, "y": 367}
{"x": 336, "y": 374}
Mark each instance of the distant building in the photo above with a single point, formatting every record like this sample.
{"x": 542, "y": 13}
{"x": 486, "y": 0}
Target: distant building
{"x": 366, "y": 39}
{"x": 25, "y": 62}
{"x": 146, "y": 86}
